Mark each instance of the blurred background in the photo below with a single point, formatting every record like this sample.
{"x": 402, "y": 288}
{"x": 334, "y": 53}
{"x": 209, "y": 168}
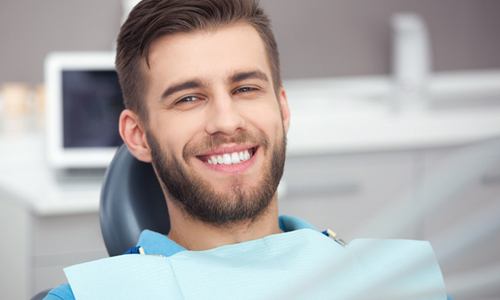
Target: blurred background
{"x": 316, "y": 39}
{"x": 395, "y": 131}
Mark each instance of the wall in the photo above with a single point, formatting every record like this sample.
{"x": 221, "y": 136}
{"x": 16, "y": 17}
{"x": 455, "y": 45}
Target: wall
{"x": 316, "y": 37}
{"x": 353, "y": 37}
{"x": 29, "y": 29}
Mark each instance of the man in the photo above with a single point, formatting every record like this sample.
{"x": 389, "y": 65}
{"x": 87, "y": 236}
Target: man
{"x": 206, "y": 106}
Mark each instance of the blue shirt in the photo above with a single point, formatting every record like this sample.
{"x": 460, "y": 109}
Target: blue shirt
{"x": 156, "y": 243}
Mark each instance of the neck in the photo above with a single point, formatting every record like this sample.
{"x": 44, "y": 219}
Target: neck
{"x": 193, "y": 234}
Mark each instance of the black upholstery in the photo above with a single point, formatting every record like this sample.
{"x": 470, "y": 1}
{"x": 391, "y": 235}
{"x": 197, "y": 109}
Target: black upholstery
{"x": 131, "y": 201}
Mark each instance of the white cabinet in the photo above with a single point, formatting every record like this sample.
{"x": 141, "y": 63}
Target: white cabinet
{"x": 14, "y": 241}
{"x": 348, "y": 192}
{"x": 36, "y": 248}
{"x": 61, "y": 241}
{"x": 465, "y": 227}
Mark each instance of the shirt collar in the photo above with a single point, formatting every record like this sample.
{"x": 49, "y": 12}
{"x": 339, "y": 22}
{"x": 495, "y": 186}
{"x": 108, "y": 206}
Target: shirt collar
{"x": 158, "y": 244}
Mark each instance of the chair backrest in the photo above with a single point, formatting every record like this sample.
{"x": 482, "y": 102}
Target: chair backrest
{"x": 131, "y": 201}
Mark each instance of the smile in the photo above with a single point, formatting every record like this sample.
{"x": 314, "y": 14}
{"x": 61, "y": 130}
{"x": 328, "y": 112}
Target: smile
{"x": 230, "y": 159}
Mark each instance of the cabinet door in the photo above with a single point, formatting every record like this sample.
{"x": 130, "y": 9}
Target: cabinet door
{"x": 464, "y": 227}
{"x": 48, "y": 271}
{"x": 61, "y": 241}
{"x": 356, "y": 195}
{"x": 15, "y": 244}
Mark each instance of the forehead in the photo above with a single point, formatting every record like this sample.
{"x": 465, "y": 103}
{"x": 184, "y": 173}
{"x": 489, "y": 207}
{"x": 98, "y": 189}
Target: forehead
{"x": 207, "y": 54}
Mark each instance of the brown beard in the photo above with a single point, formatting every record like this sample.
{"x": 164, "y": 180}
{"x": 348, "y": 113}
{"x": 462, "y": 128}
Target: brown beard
{"x": 199, "y": 199}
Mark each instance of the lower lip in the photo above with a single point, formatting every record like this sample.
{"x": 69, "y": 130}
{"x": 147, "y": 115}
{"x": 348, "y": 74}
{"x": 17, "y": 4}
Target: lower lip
{"x": 234, "y": 168}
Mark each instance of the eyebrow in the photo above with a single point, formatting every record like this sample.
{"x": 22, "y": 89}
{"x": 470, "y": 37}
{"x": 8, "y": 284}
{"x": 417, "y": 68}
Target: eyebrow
{"x": 240, "y": 76}
{"x": 186, "y": 85}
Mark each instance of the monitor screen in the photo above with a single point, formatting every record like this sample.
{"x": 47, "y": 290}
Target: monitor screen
{"x": 92, "y": 102}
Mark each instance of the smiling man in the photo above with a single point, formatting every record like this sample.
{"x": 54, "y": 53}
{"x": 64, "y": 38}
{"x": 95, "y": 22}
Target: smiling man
{"x": 205, "y": 105}
{"x": 213, "y": 125}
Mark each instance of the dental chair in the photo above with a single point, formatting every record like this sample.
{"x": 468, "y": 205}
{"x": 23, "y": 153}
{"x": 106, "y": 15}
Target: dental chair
{"x": 131, "y": 201}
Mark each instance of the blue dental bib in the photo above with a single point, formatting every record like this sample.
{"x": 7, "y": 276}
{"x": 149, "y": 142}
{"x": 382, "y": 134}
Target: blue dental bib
{"x": 301, "y": 264}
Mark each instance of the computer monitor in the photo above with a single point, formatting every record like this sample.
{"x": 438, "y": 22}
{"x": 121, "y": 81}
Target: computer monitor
{"x": 83, "y": 104}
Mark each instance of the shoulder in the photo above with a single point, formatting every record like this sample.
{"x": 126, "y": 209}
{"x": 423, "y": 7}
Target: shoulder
{"x": 62, "y": 292}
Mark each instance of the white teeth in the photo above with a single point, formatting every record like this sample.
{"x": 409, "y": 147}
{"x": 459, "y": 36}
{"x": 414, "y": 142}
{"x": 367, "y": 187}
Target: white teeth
{"x": 235, "y": 158}
{"x": 229, "y": 158}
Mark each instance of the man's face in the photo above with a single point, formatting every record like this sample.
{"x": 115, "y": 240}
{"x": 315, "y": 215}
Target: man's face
{"x": 216, "y": 126}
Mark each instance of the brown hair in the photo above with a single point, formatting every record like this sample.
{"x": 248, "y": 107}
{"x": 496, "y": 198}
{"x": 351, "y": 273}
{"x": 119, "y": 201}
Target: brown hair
{"x": 152, "y": 19}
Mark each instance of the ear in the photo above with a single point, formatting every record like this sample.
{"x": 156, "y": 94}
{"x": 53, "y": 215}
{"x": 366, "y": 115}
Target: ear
{"x": 285, "y": 112}
{"x": 134, "y": 135}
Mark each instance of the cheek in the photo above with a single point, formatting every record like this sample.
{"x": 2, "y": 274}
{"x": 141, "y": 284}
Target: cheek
{"x": 266, "y": 117}
{"x": 174, "y": 132}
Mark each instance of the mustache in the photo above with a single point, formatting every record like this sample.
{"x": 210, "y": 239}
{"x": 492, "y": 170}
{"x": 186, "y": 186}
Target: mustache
{"x": 212, "y": 142}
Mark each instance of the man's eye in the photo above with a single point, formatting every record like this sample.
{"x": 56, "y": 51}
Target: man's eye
{"x": 188, "y": 99}
{"x": 244, "y": 89}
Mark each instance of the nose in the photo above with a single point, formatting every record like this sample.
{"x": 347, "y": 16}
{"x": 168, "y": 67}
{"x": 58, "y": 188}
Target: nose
{"x": 224, "y": 116}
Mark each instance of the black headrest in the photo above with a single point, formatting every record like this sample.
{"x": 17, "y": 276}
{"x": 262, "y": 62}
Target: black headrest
{"x": 131, "y": 201}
